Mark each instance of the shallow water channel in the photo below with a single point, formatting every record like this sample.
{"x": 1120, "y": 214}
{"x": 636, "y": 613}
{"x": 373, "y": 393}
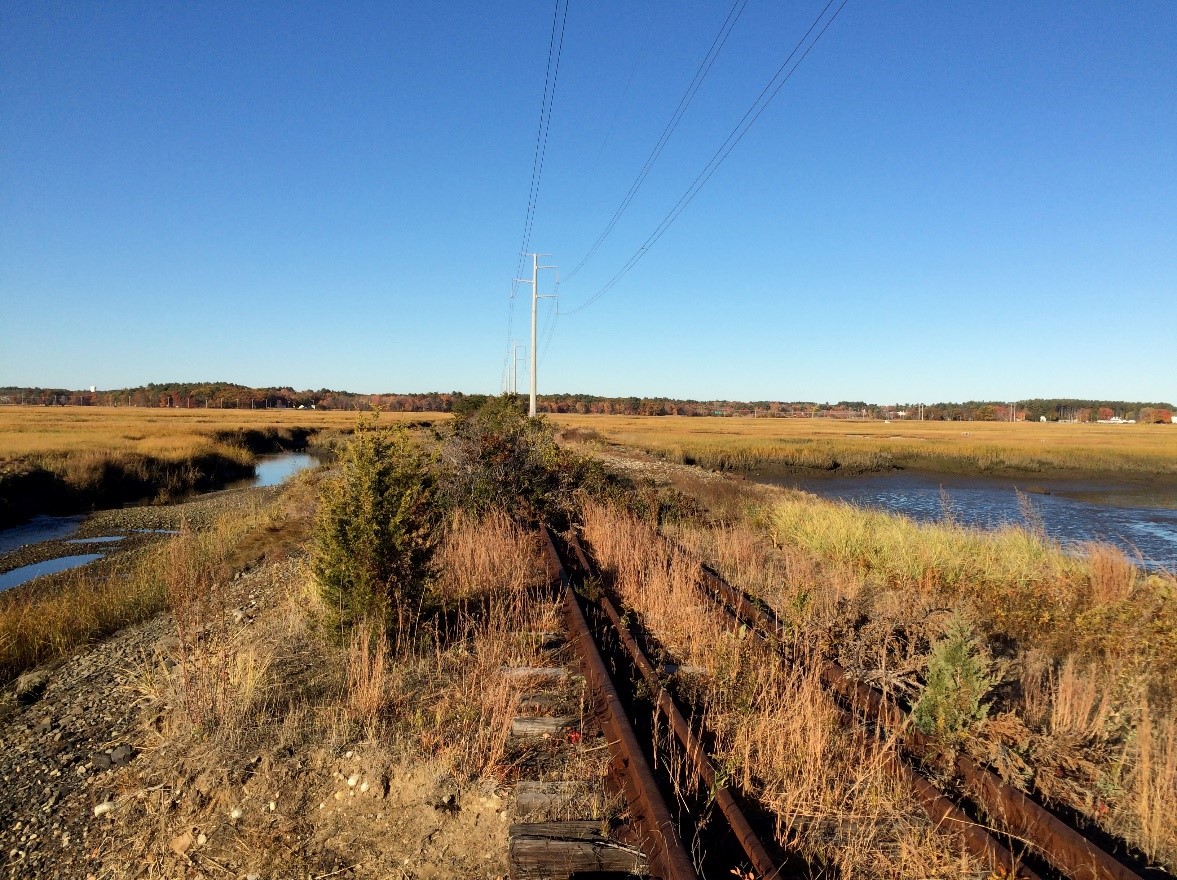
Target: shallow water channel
{"x": 1141, "y": 521}
{"x": 270, "y": 470}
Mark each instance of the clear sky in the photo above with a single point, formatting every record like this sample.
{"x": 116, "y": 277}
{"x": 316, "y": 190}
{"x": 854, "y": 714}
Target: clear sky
{"x": 947, "y": 201}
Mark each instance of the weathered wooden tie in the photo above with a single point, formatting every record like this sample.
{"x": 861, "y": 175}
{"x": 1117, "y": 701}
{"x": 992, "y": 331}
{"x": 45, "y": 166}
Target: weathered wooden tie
{"x": 550, "y": 797}
{"x": 563, "y": 850}
{"x": 543, "y": 725}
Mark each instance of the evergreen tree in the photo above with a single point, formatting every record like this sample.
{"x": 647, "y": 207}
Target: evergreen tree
{"x": 374, "y": 537}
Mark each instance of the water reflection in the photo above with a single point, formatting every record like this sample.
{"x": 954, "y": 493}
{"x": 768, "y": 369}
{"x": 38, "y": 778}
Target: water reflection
{"x": 50, "y": 566}
{"x": 38, "y": 529}
{"x": 274, "y": 469}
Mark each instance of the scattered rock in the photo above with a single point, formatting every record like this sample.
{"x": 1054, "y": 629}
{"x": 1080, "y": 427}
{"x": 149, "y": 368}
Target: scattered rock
{"x": 169, "y": 644}
{"x": 31, "y": 686}
{"x": 122, "y": 754}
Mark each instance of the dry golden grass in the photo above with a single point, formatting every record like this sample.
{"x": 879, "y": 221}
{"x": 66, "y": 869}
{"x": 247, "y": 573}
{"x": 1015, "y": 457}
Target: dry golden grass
{"x": 38, "y": 628}
{"x": 161, "y": 433}
{"x": 45, "y": 623}
{"x": 430, "y": 706}
{"x": 1086, "y": 711}
{"x": 776, "y": 732}
{"x": 816, "y": 444}
{"x": 368, "y": 675}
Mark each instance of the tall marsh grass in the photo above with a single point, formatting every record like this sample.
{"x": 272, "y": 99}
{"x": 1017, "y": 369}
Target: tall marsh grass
{"x": 816, "y": 445}
{"x": 39, "y": 627}
{"x": 1093, "y": 602}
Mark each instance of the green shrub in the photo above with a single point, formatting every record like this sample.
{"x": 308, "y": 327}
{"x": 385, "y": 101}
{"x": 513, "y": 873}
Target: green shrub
{"x": 374, "y": 535}
{"x": 959, "y": 677}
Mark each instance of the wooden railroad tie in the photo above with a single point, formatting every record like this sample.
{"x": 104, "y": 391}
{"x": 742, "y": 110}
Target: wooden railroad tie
{"x": 540, "y": 725}
{"x": 563, "y": 850}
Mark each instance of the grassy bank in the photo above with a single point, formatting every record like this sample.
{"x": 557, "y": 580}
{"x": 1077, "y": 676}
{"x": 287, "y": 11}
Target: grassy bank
{"x": 1068, "y": 657}
{"x": 265, "y": 743}
{"x": 817, "y": 446}
{"x": 70, "y": 459}
{"x": 1069, "y": 660}
{"x": 52, "y": 617}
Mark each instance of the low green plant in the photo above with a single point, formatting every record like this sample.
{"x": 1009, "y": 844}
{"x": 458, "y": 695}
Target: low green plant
{"x": 960, "y": 676}
{"x": 374, "y": 535}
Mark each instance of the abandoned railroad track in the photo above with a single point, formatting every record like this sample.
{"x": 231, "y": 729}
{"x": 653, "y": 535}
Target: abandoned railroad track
{"x": 680, "y": 842}
{"x": 1031, "y": 829}
{"x": 674, "y": 816}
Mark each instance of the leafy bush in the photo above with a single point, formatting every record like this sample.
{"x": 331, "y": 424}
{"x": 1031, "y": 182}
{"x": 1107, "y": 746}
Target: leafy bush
{"x": 959, "y": 677}
{"x": 498, "y": 458}
{"x": 374, "y": 536}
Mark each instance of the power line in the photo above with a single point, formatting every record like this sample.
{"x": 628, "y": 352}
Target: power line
{"x": 684, "y": 102}
{"x": 624, "y": 93}
{"x": 550, "y": 320}
{"x": 758, "y": 106}
{"x": 551, "y": 77}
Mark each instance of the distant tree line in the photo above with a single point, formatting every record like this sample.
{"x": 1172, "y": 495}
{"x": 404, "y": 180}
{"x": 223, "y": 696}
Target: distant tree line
{"x": 227, "y": 395}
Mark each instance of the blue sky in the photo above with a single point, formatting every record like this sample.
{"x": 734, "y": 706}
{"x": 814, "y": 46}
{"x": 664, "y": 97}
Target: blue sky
{"x": 946, "y": 201}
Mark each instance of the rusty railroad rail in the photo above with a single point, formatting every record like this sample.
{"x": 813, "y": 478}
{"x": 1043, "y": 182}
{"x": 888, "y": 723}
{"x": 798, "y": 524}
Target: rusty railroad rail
{"x": 1064, "y": 848}
{"x": 875, "y": 717}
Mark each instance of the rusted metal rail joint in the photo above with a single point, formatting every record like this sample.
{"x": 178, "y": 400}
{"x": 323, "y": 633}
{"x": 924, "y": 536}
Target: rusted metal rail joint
{"x": 668, "y": 857}
{"x": 1061, "y": 845}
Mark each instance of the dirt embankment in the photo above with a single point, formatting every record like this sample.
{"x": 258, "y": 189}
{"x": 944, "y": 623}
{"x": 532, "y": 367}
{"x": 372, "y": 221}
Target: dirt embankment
{"x": 231, "y": 736}
{"x": 97, "y": 781}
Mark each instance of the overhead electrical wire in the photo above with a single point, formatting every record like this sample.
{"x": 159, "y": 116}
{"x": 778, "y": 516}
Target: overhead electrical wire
{"x": 783, "y": 74}
{"x": 624, "y": 93}
{"x": 551, "y": 320}
{"x": 684, "y": 102}
{"x": 551, "y": 77}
